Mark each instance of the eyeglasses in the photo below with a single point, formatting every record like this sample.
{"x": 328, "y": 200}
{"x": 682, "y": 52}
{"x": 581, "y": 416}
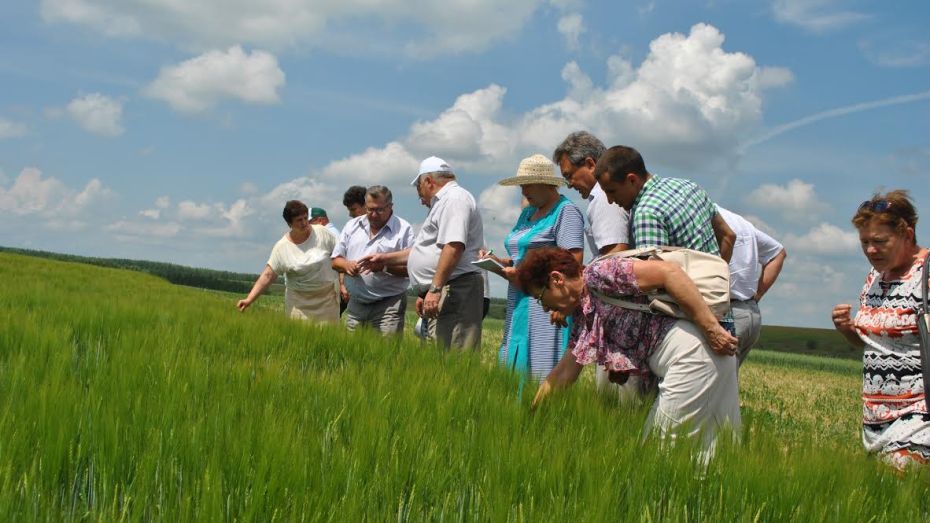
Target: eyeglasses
{"x": 539, "y": 298}
{"x": 378, "y": 210}
{"x": 875, "y": 205}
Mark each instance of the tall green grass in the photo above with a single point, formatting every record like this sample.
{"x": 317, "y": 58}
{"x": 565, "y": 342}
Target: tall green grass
{"x": 125, "y": 398}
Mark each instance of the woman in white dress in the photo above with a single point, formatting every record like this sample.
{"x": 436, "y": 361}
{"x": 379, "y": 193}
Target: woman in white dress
{"x": 302, "y": 255}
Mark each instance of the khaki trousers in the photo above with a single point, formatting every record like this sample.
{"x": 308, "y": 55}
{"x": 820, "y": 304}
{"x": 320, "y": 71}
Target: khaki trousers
{"x": 458, "y": 325}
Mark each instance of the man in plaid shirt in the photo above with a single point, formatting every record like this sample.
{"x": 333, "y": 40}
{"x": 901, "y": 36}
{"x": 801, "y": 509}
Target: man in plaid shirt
{"x": 663, "y": 211}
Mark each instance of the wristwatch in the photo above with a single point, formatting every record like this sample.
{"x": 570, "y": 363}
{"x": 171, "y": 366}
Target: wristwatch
{"x": 434, "y": 289}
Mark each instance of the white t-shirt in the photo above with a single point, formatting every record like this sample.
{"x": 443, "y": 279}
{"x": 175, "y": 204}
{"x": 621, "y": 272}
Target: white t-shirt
{"x": 453, "y": 217}
{"x": 751, "y": 251}
{"x": 607, "y": 223}
{"x": 306, "y": 267}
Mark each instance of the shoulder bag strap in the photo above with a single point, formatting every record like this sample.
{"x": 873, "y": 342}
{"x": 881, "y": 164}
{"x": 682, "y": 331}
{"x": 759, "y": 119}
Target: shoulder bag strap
{"x": 923, "y": 329}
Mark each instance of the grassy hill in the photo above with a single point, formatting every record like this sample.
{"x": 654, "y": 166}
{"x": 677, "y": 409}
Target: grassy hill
{"x": 818, "y": 342}
{"x": 125, "y": 398}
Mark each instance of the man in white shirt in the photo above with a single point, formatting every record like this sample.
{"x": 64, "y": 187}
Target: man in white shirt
{"x": 756, "y": 262}
{"x": 379, "y": 299}
{"x": 450, "y": 288}
{"x": 606, "y": 224}
{"x": 607, "y": 227}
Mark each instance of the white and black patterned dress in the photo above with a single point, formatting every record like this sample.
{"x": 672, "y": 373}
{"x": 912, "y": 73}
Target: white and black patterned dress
{"x": 895, "y": 420}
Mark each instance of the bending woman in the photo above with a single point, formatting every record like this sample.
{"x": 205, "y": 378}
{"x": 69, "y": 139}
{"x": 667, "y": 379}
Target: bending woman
{"x": 302, "y": 255}
{"x": 895, "y": 423}
{"x": 532, "y": 344}
{"x": 692, "y": 360}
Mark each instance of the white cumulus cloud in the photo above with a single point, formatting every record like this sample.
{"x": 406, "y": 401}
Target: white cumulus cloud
{"x": 690, "y": 100}
{"x": 31, "y": 193}
{"x": 500, "y": 208}
{"x": 98, "y": 114}
{"x": 198, "y": 84}
{"x": 188, "y": 210}
{"x": 796, "y": 200}
{"x": 571, "y": 27}
{"x": 393, "y": 163}
{"x": 824, "y": 238}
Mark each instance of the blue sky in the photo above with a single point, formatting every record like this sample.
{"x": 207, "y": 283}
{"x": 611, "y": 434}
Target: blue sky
{"x": 174, "y": 131}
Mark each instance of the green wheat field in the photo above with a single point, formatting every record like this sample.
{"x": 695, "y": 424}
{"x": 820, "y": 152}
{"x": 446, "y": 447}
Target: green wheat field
{"x": 124, "y": 397}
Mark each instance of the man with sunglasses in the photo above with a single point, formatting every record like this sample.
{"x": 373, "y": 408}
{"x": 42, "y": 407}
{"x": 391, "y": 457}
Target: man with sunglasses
{"x": 378, "y": 293}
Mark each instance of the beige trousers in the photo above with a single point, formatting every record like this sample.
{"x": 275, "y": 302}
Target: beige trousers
{"x": 698, "y": 389}
{"x": 320, "y": 306}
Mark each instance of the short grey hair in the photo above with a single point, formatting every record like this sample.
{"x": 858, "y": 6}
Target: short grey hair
{"x": 578, "y": 146}
{"x": 380, "y": 191}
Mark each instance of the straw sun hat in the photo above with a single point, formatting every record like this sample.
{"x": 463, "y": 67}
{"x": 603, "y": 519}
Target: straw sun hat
{"x": 535, "y": 169}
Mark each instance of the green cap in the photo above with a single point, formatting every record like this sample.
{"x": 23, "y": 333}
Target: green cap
{"x": 317, "y": 212}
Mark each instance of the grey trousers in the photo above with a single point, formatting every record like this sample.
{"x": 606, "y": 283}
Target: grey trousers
{"x": 458, "y": 325}
{"x": 748, "y": 322}
{"x": 385, "y": 315}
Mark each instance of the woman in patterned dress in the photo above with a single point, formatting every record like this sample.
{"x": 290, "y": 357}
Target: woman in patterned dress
{"x": 532, "y": 344}
{"x": 895, "y": 422}
{"x": 692, "y": 360}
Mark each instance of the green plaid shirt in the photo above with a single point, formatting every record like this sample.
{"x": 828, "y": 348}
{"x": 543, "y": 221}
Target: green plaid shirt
{"x": 673, "y": 212}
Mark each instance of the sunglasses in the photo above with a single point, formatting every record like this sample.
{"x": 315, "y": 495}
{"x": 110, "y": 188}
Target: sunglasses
{"x": 875, "y": 205}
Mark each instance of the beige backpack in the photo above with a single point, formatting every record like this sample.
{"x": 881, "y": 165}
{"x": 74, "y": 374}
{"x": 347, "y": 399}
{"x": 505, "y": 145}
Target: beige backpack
{"x": 710, "y": 273}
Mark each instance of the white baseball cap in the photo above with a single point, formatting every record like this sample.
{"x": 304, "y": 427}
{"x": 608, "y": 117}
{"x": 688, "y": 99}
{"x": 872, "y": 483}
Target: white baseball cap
{"x": 433, "y": 164}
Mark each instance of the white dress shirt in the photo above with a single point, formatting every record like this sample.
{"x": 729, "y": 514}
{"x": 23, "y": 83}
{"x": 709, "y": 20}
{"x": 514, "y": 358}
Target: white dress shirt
{"x": 751, "y": 251}
{"x": 356, "y": 241}
{"x": 607, "y": 223}
{"x": 453, "y": 217}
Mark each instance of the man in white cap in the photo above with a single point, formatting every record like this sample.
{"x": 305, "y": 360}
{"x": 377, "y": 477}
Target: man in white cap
{"x": 450, "y": 288}
{"x": 756, "y": 262}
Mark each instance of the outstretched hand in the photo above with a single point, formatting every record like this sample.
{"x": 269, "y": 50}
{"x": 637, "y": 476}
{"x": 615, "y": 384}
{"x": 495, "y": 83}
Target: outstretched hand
{"x": 242, "y": 305}
{"x": 369, "y": 263}
{"x": 544, "y": 389}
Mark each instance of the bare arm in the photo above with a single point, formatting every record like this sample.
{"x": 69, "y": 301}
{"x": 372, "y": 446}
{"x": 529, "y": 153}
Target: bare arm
{"x": 448, "y": 258}
{"x": 266, "y": 278}
{"x": 344, "y": 266}
{"x": 654, "y": 274}
{"x": 564, "y": 374}
{"x": 726, "y": 238}
{"x": 376, "y": 262}
{"x": 770, "y": 272}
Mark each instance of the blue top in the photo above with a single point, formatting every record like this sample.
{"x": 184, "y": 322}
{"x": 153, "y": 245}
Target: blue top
{"x": 531, "y": 343}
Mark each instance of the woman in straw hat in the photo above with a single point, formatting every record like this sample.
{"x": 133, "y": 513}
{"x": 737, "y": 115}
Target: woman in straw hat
{"x": 532, "y": 344}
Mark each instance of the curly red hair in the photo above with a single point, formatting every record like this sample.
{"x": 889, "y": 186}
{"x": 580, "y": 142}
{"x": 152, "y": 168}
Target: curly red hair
{"x": 533, "y": 271}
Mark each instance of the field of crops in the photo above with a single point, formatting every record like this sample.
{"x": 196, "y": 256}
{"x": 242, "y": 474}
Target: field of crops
{"x": 125, "y": 397}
